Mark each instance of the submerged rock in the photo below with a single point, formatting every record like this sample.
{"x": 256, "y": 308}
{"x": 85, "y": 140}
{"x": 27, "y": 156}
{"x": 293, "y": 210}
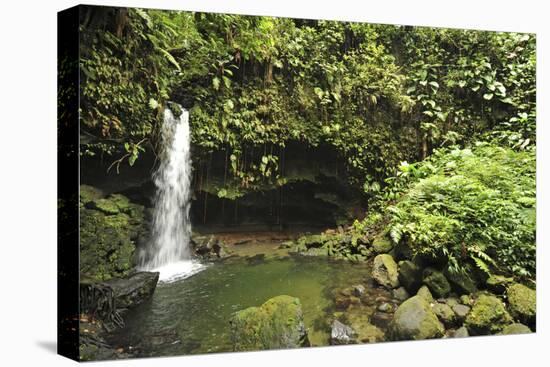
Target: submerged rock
{"x": 488, "y": 316}
{"x": 523, "y": 303}
{"x": 278, "y": 323}
{"x": 436, "y": 281}
{"x": 209, "y": 247}
{"x": 415, "y": 320}
{"x": 384, "y": 271}
{"x": 341, "y": 334}
{"x": 134, "y": 290}
{"x": 359, "y": 290}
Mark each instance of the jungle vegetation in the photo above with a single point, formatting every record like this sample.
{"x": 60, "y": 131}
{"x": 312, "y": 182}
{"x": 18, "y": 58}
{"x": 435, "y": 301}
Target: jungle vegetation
{"x": 435, "y": 127}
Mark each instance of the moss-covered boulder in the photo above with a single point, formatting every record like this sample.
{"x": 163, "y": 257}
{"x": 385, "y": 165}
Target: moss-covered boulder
{"x": 89, "y": 193}
{"x": 515, "y": 329}
{"x": 498, "y": 283}
{"x": 425, "y": 293}
{"x": 276, "y": 324}
{"x": 523, "y": 303}
{"x": 415, "y": 320}
{"x": 105, "y": 206}
{"x": 384, "y": 271}
{"x": 488, "y": 316}
{"x": 109, "y": 230}
{"x": 436, "y": 281}
{"x": 382, "y": 244}
{"x": 410, "y": 276}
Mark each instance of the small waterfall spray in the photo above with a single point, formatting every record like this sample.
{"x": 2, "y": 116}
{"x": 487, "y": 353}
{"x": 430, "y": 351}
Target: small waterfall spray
{"x": 169, "y": 251}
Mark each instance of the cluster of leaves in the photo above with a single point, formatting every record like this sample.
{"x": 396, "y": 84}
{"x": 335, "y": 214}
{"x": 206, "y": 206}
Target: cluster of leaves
{"x": 376, "y": 94}
{"x": 470, "y": 205}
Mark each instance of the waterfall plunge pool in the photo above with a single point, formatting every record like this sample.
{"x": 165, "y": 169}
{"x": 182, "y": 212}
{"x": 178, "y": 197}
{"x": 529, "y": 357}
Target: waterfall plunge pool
{"x": 191, "y": 315}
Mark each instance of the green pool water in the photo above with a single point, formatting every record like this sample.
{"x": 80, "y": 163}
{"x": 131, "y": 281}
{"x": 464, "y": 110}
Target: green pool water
{"x": 192, "y": 315}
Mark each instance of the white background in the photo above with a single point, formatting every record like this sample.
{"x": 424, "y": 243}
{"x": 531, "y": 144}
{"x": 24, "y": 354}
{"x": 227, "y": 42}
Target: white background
{"x": 28, "y": 182}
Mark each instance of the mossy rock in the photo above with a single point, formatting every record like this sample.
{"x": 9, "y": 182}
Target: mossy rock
{"x": 415, "y": 320}
{"x": 382, "y": 244}
{"x": 445, "y": 314}
{"x": 106, "y": 245}
{"x": 488, "y": 316}
{"x": 437, "y": 282}
{"x": 89, "y": 193}
{"x": 276, "y": 324}
{"x": 425, "y": 293}
{"x": 515, "y": 329}
{"x": 523, "y": 303}
{"x": 410, "y": 276}
{"x": 105, "y": 206}
{"x": 384, "y": 271}
{"x": 498, "y": 283}
{"x": 461, "y": 282}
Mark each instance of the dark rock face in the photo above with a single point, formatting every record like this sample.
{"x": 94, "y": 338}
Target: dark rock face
{"x": 134, "y": 290}
{"x": 410, "y": 276}
{"x": 461, "y": 283}
{"x": 342, "y": 334}
{"x": 278, "y": 323}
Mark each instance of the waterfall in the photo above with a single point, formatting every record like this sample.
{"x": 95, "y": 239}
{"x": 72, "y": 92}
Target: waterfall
{"x": 169, "y": 250}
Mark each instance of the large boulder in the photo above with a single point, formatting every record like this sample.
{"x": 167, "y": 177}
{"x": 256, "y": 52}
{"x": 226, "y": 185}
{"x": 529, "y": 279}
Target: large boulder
{"x": 276, "y": 324}
{"x": 523, "y": 303}
{"x": 133, "y": 290}
{"x": 384, "y": 271}
{"x": 109, "y": 230}
{"x": 342, "y": 334}
{"x": 436, "y": 282}
{"x": 410, "y": 276}
{"x": 488, "y": 316}
{"x": 425, "y": 293}
{"x": 415, "y": 320}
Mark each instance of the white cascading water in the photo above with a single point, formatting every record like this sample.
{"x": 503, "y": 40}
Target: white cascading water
{"x": 170, "y": 248}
